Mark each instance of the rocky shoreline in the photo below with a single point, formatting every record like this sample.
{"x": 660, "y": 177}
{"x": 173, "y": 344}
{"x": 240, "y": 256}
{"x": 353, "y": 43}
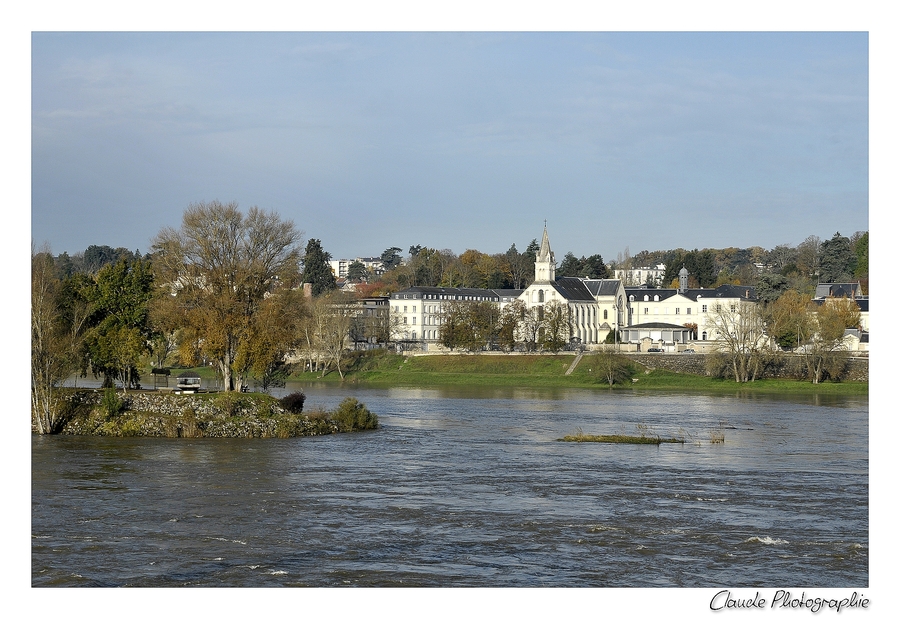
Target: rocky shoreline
{"x": 90, "y": 412}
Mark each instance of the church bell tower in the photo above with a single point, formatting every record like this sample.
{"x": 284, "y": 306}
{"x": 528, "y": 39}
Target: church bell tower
{"x": 545, "y": 263}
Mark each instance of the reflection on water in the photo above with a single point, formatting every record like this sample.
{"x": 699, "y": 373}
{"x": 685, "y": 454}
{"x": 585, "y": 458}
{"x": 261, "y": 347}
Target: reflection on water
{"x": 469, "y": 487}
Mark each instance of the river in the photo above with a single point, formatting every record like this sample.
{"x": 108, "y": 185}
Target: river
{"x": 467, "y": 487}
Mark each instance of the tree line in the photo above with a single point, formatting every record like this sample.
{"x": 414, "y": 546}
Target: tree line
{"x": 772, "y": 272}
{"x": 226, "y": 289}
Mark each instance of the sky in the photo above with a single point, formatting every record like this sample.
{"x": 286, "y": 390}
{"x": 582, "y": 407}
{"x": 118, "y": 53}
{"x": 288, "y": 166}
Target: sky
{"x": 456, "y": 140}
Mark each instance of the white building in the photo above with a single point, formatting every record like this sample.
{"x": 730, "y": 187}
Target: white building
{"x": 641, "y": 276}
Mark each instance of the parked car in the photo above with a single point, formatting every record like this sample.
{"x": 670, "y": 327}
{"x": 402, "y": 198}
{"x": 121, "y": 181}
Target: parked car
{"x": 689, "y": 350}
{"x": 654, "y": 350}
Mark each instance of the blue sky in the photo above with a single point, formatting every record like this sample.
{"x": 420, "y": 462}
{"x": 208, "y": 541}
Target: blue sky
{"x": 455, "y": 140}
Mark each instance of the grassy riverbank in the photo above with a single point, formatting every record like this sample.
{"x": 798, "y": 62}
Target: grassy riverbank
{"x": 549, "y": 371}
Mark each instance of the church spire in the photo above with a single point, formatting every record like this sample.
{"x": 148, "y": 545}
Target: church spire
{"x": 545, "y": 263}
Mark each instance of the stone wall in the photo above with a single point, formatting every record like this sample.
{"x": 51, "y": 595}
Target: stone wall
{"x": 786, "y": 366}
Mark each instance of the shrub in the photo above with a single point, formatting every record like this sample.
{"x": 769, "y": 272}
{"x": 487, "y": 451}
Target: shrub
{"x": 293, "y": 402}
{"x": 352, "y": 415}
{"x": 232, "y": 403}
{"x": 111, "y": 403}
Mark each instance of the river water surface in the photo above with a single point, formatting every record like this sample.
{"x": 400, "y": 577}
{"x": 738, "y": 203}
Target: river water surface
{"x": 469, "y": 487}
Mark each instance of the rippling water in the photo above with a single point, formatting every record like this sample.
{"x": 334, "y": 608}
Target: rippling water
{"x": 469, "y": 487}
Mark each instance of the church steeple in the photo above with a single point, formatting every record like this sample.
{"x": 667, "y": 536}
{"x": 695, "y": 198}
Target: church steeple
{"x": 544, "y": 263}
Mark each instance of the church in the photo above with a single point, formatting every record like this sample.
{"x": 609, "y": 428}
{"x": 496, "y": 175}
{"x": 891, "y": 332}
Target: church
{"x": 660, "y": 318}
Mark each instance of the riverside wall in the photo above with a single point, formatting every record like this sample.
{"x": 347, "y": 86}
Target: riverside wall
{"x": 785, "y": 366}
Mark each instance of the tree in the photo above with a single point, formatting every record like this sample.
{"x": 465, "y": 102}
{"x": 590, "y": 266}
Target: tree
{"x": 860, "y": 242}
{"x": 357, "y": 272}
{"x": 741, "y": 337}
{"x": 316, "y": 269}
{"x": 824, "y": 351}
{"x": 334, "y": 330}
{"x": 569, "y": 267}
{"x": 519, "y": 266}
{"x": 218, "y": 268}
{"x": 274, "y": 334}
{"x": 554, "y": 333}
{"x": 120, "y": 329}
{"x": 509, "y": 324}
{"x": 50, "y": 363}
{"x": 837, "y": 261}
{"x": 610, "y": 367}
{"x": 391, "y": 258}
{"x": 787, "y": 320}
{"x": 593, "y": 267}
{"x": 770, "y": 286}
{"x": 808, "y": 256}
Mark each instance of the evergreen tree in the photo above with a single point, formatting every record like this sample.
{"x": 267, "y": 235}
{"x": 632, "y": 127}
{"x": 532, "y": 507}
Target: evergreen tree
{"x": 316, "y": 270}
{"x": 837, "y": 262}
{"x": 569, "y": 267}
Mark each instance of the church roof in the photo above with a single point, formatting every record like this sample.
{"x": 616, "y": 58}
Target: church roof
{"x": 572, "y": 289}
{"x": 602, "y": 287}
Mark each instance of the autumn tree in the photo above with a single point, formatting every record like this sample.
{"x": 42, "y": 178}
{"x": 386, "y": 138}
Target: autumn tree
{"x": 218, "y": 268}
{"x": 824, "y": 351}
{"x": 788, "y": 320}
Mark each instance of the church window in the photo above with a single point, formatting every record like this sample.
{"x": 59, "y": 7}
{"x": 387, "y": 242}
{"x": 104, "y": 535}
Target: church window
{"x": 540, "y": 296}
{"x": 605, "y": 314}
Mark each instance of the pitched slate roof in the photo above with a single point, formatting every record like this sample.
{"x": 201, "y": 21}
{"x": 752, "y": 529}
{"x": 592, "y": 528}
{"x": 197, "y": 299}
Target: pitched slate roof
{"x": 460, "y": 294}
{"x": 835, "y": 289}
{"x": 572, "y": 289}
{"x": 658, "y": 325}
{"x": 602, "y": 287}
{"x": 725, "y": 291}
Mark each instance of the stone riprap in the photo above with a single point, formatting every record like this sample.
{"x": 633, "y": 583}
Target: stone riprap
{"x": 178, "y": 415}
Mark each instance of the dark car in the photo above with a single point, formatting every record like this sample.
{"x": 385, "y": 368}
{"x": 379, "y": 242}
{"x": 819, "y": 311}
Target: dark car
{"x": 688, "y": 350}
{"x": 654, "y": 350}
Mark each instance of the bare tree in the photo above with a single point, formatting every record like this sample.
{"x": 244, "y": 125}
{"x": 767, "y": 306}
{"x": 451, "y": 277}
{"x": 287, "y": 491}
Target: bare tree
{"x": 740, "y": 333}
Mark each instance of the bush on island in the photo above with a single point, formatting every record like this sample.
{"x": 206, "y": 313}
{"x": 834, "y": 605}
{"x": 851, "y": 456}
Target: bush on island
{"x": 293, "y": 402}
{"x": 352, "y": 415}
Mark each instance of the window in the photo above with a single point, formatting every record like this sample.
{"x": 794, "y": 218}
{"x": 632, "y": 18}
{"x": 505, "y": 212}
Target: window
{"x": 605, "y": 314}
{"x": 414, "y": 320}
{"x": 688, "y": 310}
{"x": 677, "y": 310}
{"x": 703, "y": 310}
{"x": 404, "y": 320}
{"x": 646, "y": 298}
{"x": 540, "y": 296}
{"x": 646, "y": 310}
{"x": 704, "y": 333}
